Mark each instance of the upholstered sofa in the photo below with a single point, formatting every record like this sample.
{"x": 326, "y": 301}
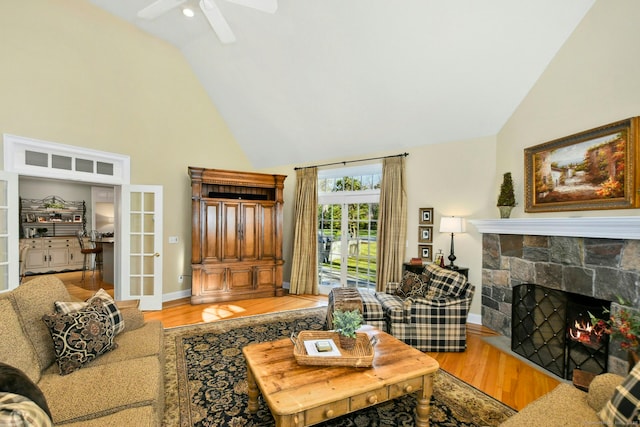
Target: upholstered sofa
{"x": 427, "y": 311}
{"x": 123, "y": 386}
{"x": 610, "y": 400}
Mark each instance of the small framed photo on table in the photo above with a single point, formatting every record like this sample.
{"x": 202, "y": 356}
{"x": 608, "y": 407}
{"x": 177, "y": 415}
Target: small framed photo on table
{"x": 425, "y": 234}
{"x": 425, "y": 252}
{"x": 77, "y": 218}
{"x": 426, "y": 215}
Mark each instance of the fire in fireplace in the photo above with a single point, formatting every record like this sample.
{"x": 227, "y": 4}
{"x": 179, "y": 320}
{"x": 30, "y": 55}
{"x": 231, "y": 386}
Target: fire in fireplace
{"x": 552, "y": 328}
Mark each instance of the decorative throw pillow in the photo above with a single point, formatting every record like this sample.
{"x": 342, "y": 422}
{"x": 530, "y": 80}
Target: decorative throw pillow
{"x": 409, "y": 281}
{"x": 116, "y": 317}
{"x": 13, "y": 380}
{"x": 445, "y": 282}
{"x": 81, "y": 336}
{"x": 622, "y": 409}
{"x": 18, "y": 411}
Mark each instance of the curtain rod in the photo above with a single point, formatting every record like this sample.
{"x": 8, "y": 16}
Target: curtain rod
{"x": 351, "y": 161}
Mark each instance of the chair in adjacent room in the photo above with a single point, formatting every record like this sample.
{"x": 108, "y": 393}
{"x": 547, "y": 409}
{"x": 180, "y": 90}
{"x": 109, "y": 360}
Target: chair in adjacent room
{"x": 91, "y": 250}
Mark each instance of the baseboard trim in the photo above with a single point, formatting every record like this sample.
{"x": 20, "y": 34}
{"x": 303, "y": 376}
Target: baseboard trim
{"x": 475, "y": 319}
{"x": 185, "y": 293}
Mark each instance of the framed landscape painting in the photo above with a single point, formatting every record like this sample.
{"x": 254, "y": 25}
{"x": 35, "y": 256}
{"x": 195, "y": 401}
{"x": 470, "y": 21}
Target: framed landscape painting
{"x": 595, "y": 169}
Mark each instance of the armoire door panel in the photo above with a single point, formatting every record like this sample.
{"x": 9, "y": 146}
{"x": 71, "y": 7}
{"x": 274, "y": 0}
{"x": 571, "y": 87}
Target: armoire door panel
{"x": 265, "y": 276}
{"x": 250, "y": 232}
{"x": 240, "y": 278}
{"x": 268, "y": 234}
{"x": 211, "y": 245}
{"x": 210, "y": 280}
{"x": 230, "y": 231}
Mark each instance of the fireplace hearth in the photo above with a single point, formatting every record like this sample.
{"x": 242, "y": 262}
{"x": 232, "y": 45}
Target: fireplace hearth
{"x": 552, "y": 328}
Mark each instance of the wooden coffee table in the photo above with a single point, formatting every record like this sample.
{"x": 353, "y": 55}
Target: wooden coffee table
{"x": 302, "y": 395}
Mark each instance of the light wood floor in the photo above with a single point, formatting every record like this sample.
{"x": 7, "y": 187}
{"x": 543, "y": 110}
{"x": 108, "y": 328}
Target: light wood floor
{"x": 486, "y": 367}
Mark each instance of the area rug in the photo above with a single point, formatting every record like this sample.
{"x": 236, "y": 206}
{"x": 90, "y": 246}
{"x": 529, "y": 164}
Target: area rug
{"x": 206, "y": 386}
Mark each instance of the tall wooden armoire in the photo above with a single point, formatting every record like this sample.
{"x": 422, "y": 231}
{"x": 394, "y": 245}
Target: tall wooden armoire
{"x": 236, "y": 235}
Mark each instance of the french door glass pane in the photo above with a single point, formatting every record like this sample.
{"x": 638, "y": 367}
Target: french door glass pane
{"x": 362, "y": 244}
{"x": 347, "y": 244}
{"x": 329, "y": 251}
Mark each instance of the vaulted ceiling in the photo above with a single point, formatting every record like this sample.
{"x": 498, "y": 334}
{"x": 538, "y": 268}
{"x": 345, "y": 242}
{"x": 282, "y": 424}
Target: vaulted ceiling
{"x": 320, "y": 79}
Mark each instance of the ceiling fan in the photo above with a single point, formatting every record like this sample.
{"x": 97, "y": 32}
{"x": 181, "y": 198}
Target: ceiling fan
{"x": 211, "y": 12}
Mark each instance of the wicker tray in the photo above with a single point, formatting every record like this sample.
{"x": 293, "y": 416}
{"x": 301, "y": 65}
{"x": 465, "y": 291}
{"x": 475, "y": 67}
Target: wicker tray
{"x": 360, "y": 356}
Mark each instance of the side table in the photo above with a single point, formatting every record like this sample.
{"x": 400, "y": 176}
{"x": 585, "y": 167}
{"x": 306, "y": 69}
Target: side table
{"x": 414, "y": 268}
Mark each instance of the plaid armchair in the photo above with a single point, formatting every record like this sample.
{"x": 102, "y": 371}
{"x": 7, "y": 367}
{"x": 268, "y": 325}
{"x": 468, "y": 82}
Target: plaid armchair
{"x": 429, "y": 311}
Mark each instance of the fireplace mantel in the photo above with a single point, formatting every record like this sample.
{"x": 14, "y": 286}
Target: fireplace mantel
{"x": 618, "y": 227}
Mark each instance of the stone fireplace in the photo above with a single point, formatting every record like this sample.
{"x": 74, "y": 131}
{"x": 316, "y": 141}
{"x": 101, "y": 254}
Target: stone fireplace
{"x": 600, "y": 268}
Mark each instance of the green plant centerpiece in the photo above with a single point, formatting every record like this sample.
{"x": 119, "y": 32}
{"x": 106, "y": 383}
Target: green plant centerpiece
{"x": 346, "y": 323}
{"x": 507, "y": 198}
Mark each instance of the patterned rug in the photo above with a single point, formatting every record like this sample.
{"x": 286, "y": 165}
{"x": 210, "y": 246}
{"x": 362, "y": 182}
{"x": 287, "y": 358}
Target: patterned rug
{"x": 205, "y": 380}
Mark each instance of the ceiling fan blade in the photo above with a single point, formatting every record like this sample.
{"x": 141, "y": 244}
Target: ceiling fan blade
{"x": 269, "y": 6}
{"x": 158, "y": 7}
{"x": 217, "y": 21}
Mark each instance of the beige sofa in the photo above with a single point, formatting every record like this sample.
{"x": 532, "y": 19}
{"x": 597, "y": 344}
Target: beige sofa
{"x": 568, "y": 406}
{"x": 122, "y": 387}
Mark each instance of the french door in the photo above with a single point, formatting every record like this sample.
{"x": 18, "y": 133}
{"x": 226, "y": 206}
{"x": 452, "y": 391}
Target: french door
{"x": 347, "y": 242}
{"x": 9, "y": 242}
{"x": 141, "y": 245}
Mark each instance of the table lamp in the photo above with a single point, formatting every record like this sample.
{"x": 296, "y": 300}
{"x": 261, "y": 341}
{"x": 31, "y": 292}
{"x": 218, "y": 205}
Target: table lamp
{"x": 451, "y": 224}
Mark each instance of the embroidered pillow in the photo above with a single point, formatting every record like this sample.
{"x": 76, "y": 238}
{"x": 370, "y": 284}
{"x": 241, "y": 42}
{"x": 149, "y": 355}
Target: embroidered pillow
{"x": 622, "y": 409}
{"x": 410, "y": 281}
{"x": 80, "y": 336}
{"x": 66, "y": 307}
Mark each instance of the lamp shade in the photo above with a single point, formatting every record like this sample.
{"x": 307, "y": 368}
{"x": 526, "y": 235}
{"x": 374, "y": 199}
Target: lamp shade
{"x": 451, "y": 224}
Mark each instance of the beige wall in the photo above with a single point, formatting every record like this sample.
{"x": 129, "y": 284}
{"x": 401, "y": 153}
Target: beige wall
{"x": 74, "y": 74}
{"x": 592, "y": 81}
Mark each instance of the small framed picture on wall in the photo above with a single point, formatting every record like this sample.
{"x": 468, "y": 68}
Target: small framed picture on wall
{"x": 425, "y": 252}
{"x": 426, "y": 215}
{"x": 425, "y": 234}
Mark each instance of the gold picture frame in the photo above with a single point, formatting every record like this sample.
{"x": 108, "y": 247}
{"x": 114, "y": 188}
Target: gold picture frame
{"x": 426, "y": 216}
{"x": 425, "y": 234}
{"x": 594, "y": 169}
{"x": 425, "y": 252}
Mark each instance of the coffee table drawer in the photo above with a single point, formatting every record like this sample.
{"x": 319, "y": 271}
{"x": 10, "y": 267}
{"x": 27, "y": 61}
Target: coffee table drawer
{"x": 325, "y": 412}
{"x": 369, "y": 398}
{"x": 405, "y": 387}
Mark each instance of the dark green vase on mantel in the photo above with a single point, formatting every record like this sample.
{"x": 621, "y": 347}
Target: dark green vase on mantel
{"x": 505, "y": 211}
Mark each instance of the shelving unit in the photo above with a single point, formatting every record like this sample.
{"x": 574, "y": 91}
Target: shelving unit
{"x": 53, "y": 214}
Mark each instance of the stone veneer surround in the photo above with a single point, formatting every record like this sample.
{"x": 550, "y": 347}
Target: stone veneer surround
{"x": 601, "y": 268}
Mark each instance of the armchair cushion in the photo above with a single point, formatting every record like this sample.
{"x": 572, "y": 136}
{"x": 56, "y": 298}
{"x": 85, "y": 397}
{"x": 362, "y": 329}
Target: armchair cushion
{"x": 445, "y": 282}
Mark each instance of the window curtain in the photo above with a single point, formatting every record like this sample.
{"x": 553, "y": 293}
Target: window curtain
{"x": 392, "y": 227}
{"x": 304, "y": 268}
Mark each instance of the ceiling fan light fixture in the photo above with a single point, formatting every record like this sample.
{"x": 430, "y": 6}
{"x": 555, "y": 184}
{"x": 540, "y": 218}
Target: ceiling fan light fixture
{"x": 188, "y": 12}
